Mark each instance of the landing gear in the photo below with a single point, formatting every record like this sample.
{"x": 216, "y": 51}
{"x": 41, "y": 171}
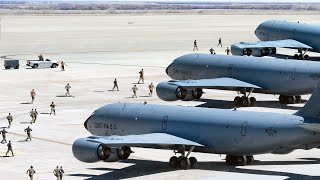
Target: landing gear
{"x": 183, "y": 161}
{"x": 245, "y": 101}
{"x": 289, "y": 99}
{"x": 301, "y": 55}
{"x": 239, "y": 160}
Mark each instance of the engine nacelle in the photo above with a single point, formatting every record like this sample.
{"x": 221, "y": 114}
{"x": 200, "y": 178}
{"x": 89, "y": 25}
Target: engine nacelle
{"x": 169, "y": 92}
{"x": 91, "y": 152}
{"x": 252, "y": 51}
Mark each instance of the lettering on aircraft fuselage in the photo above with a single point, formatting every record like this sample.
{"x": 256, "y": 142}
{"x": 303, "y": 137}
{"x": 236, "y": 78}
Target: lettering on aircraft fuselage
{"x": 263, "y": 34}
{"x": 182, "y": 71}
{"x": 105, "y": 126}
{"x": 271, "y": 131}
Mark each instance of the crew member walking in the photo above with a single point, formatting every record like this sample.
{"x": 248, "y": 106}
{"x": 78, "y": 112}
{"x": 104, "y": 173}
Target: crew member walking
{"x": 35, "y": 116}
{"x": 134, "y": 90}
{"x": 33, "y": 95}
{"x": 56, "y": 172}
{"x": 115, "y": 85}
{"x": 68, "y": 87}
{"x": 62, "y": 65}
{"x": 53, "y": 108}
{"x": 31, "y": 172}
{"x": 228, "y": 51}
{"x": 61, "y": 172}
{"x": 151, "y": 88}
{"x": 9, "y": 149}
{"x": 141, "y": 76}
{"x": 219, "y": 42}
{"x": 28, "y": 130}
{"x": 4, "y": 139}
{"x": 212, "y": 51}
{"x": 195, "y": 46}
{"x": 32, "y": 115}
{"x": 9, "y": 118}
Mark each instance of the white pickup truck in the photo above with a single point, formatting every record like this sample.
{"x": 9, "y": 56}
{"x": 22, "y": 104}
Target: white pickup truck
{"x": 47, "y": 63}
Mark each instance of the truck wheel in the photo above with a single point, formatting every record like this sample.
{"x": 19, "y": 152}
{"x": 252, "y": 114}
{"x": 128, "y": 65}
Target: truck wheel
{"x": 54, "y": 66}
{"x": 7, "y": 67}
{"x": 17, "y": 67}
{"x": 35, "y": 66}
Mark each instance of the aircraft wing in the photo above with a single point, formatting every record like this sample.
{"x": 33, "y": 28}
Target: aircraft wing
{"x": 144, "y": 140}
{"x": 287, "y": 43}
{"x": 224, "y": 82}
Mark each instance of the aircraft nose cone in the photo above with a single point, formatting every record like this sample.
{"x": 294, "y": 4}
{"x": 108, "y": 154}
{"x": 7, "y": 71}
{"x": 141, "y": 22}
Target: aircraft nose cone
{"x": 86, "y": 123}
{"x": 167, "y": 69}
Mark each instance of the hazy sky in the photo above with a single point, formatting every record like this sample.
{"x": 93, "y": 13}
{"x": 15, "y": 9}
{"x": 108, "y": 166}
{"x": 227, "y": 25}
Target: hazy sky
{"x": 254, "y": 1}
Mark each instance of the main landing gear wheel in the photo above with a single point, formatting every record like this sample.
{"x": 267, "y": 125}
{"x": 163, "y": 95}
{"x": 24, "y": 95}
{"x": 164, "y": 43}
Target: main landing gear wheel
{"x": 289, "y": 99}
{"x": 244, "y": 101}
{"x": 183, "y": 161}
{"x": 239, "y": 160}
{"x": 301, "y": 56}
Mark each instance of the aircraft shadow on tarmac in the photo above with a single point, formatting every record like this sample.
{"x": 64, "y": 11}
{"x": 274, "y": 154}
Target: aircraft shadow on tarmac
{"x": 145, "y": 167}
{"x": 221, "y": 104}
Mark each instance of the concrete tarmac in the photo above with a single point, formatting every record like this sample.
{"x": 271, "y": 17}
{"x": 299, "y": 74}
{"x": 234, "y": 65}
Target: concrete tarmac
{"x": 98, "y": 49}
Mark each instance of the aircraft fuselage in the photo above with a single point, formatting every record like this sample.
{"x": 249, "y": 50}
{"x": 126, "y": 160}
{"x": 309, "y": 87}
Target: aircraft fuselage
{"x": 275, "y": 76}
{"x": 232, "y": 132}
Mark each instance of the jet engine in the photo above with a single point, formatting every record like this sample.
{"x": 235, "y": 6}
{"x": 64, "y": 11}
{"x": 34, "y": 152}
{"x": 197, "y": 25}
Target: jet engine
{"x": 171, "y": 92}
{"x": 87, "y": 151}
{"x": 252, "y": 51}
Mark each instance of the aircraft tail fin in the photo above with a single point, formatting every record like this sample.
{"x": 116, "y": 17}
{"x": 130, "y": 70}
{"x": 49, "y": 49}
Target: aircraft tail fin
{"x": 312, "y": 108}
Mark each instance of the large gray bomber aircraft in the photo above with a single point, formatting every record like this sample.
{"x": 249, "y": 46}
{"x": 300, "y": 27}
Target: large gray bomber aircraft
{"x": 281, "y": 34}
{"x": 117, "y": 127}
{"x": 192, "y": 73}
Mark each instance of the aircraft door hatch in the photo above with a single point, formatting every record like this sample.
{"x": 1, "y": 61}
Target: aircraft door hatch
{"x": 164, "y": 122}
{"x": 293, "y": 74}
{"x": 230, "y": 69}
{"x": 244, "y": 129}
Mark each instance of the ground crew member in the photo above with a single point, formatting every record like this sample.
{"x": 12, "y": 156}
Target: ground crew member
{"x": 68, "y": 87}
{"x": 228, "y": 51}
{"x": 212, "y": 51}
{"x": 61, "y": 172}
{"x": 35, "y": 115}
{"x": 219, "y": 42}
{"x": 53, "y": 108}
{"x": 33, "y": 95}
{"x": 151, "y": 87}
{"x": 31, "y": 172}
{"x": 40, "y": 57}
{"x": 115, "y": 84}
{"x": 32, "y": 115}
{"x": 56, "y": 172}
{"x": 141, "y": 76}
{"x": 9, "y": 148}
{"x": 195, "y": 46}
{"x": 9, "y": 118}
{"x": 62, "y": 65}
{"x": 134, "y": 89}
{"x": 28, "y": 130}
{"x": 4, "y": 139}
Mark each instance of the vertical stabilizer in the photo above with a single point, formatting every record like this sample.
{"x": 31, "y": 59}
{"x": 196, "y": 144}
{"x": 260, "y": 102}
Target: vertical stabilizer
{"x": 312, "y": 108}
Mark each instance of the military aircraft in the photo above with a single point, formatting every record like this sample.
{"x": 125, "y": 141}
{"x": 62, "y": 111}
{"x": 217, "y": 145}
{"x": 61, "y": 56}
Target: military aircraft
{"x": 191, "y": 73}
{"x": 281, "y": 34}
{"x": 239, "y": 134}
